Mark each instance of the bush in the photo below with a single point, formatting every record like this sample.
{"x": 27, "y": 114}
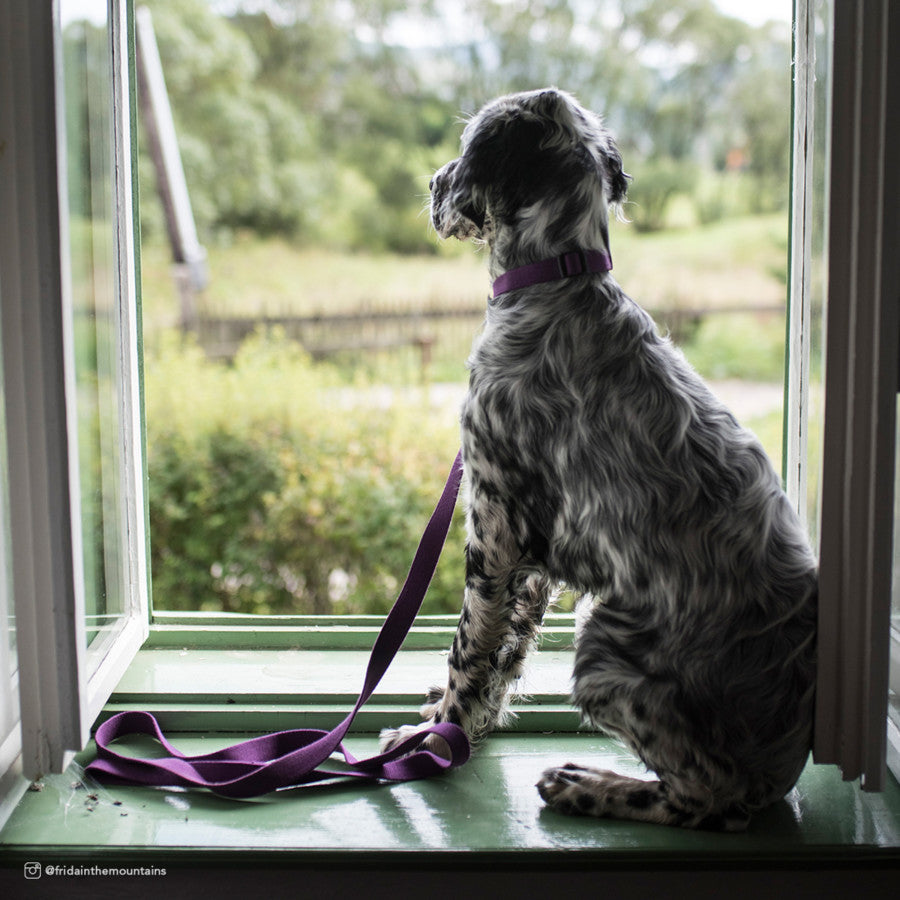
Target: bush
{"x": 741, "y": 346}
{"x": 275, "y": 489}
{"x": 653, "y": 189}
{"x": 722, "y": 195}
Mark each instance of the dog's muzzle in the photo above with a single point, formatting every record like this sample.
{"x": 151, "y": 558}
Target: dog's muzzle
{"x": 446, "y": 217}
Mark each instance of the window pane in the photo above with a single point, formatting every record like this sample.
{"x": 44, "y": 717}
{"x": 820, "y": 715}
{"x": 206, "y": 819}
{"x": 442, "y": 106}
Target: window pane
{"x": 88, "y": 105}
{"x": 302, "y": 417}
{"x": 894, "y": 687}
{"x": 822, "y": 13}
{"x": 9, "y": 695}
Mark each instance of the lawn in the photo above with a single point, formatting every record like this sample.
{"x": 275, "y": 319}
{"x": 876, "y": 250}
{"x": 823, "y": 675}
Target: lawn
{"x": 737, "y": 262}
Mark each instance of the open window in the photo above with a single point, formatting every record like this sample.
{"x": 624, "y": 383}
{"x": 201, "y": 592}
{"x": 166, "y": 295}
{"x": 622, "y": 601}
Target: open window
{"x": 71, "y": 367}
{"x": 72, "y": 391}
{"x": 860, "y": 388}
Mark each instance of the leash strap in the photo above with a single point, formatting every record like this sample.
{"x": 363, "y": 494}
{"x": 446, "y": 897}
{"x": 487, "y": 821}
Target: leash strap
{"x": 294, "y": 757}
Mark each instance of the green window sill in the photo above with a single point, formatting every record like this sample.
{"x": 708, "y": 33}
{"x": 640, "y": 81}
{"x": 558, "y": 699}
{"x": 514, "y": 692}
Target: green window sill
{"x": 235, "y": 674}
{"x": 209, "y": 695}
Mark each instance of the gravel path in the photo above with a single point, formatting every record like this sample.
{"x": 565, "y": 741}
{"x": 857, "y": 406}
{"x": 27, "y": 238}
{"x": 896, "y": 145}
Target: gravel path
{"x": 748, "y": 400}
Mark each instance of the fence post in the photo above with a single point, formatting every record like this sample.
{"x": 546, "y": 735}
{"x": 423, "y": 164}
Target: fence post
{"x": 189, "y": 257}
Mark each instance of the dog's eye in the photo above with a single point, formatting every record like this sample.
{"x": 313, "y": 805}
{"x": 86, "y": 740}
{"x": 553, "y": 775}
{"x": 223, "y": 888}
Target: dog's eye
{"x": 431, "y": 185}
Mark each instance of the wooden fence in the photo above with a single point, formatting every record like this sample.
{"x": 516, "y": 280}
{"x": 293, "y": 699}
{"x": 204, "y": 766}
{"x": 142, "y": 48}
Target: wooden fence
{"x": 449, "y": 329}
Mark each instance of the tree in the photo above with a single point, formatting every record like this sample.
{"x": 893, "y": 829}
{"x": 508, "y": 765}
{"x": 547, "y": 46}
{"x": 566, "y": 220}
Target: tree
{"x": 250, "y": 158}
{"x": 324, "y": 121}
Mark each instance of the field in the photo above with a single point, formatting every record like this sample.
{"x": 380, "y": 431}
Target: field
{"x": 737, "y": 262}
{"x": 684, "y": 276}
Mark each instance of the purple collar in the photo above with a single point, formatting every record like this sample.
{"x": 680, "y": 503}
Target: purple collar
{"x": 575, "y": 262}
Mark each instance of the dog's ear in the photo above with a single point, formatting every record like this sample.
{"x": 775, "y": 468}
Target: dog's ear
{"x": 469, "y": 192}
{"x": 500, "y": 167}
{"x": 549, "y": 103}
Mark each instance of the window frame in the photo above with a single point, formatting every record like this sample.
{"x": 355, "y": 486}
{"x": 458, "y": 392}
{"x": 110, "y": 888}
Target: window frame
{"x": 798, "y": 351}
{"x": 62, "y": 693}
{"x": 63, "y": 681}
{"x": 861, "y": 374}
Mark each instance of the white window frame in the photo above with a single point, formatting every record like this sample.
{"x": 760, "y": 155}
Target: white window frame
{"x": 857, "y": 508}
{"x": 63, "y": 683}
{"x": 10, "y": 729}
{"x": 800, "y": 289}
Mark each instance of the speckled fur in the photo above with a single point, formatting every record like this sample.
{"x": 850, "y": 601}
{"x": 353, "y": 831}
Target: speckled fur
{"x": 597, "y": 457}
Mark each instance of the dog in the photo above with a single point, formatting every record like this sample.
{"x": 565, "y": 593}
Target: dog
{"x": 598, "y": 458}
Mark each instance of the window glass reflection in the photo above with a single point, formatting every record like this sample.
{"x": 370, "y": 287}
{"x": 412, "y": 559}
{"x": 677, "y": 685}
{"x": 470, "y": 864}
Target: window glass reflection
{"x": 87, "y": 85}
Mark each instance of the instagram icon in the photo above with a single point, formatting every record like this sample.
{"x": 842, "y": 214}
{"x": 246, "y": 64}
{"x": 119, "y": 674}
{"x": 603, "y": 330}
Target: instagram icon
{"x": 32, "y": 870}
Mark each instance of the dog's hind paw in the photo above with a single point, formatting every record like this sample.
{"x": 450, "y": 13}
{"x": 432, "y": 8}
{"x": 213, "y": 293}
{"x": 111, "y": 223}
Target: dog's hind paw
{"x": 568, "y": 790}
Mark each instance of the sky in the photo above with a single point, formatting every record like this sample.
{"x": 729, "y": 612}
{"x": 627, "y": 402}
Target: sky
{"x": 754, "y": 11}
{"x": 757, "y": 11}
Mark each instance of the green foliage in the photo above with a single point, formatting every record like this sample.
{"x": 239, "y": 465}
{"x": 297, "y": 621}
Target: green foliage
{"x": 274, "y": 489}
{"x": 649, "y": 197}
{"x": 738, "y": 346}
{"x": 721, "y": 195}
{"x": 312, "y": 120}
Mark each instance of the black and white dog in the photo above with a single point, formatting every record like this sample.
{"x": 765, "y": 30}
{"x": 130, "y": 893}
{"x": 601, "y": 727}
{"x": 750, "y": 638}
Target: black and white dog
{"x": 597, "y": 457}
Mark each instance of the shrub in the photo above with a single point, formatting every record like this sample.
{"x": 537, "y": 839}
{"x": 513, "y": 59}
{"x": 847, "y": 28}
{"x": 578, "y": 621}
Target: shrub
{"x": 652, "y": 191}
{"x": 741, "y": 346}
{"x": 275, "y": 489}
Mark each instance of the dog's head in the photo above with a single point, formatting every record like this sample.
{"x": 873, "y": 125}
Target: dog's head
{"x": 524, "y": 156}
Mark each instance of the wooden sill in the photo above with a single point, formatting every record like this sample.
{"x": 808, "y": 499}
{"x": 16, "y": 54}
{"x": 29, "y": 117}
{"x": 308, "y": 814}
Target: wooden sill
{"x": 487, "y": 814}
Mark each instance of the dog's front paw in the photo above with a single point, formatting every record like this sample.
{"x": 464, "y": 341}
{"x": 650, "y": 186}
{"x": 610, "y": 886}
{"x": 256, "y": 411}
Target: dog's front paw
{"x": 390, "y": 738}
{"x": 432, "y": 705}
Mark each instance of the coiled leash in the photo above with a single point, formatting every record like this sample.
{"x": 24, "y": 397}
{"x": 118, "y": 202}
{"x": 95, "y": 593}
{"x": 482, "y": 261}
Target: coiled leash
{"x": 291, "y": 758}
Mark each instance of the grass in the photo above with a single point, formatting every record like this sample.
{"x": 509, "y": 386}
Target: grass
{"x": 737, "y": 262}
{"x": 255, "y": 276}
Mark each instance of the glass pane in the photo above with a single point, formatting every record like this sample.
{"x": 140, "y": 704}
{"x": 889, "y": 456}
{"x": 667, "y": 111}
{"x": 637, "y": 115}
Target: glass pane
{"x": 819, "y": 260}
{"x": 9, "y": 695}
{"x": 894, "y": 695}
{"x": 87, "y": 83}
{"x": 303, "y": 407}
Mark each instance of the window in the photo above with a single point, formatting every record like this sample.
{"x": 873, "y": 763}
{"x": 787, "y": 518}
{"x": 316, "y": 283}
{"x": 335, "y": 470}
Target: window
{"x": 70, "y": 354}
{"x": 894, "y": 682}
{"x": 860, "y": 393}
{"x": 367, "y": 103}
{"x": 71, "y": 649}
{"x": 10, "y": 741}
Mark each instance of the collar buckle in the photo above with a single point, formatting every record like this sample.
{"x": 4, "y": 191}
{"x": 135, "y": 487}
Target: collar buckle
{"x": 572, "y": 263}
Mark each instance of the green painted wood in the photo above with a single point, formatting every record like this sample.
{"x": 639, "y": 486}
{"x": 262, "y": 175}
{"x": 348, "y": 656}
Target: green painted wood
{"x": 215, "y": 718}
{"x": 219, "y": 631}
{"x": 300, "y": 636}
{"x": 488, "y": 807}
{"x": 253, "y": 676}
{"x": 256, "y": 691}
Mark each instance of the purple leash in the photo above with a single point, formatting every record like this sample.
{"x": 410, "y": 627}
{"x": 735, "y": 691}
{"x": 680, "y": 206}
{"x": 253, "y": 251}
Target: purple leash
{"x": 291, "y": 758}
